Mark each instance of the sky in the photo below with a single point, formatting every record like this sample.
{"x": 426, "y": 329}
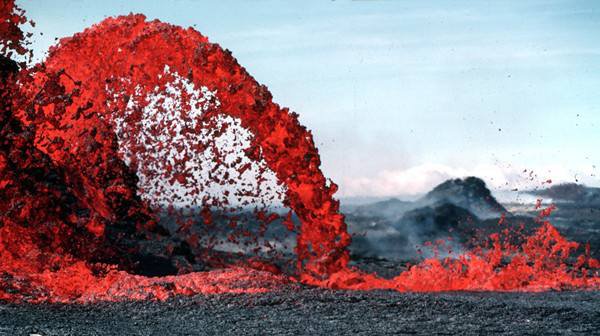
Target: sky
{"x": 401, "y": 95}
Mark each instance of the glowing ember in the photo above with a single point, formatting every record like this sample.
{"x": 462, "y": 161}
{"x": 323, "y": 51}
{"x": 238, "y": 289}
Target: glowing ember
{"x": 130, "y": 119}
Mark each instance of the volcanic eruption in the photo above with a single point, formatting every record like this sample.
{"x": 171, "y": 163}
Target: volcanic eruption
{"x": 132, "y": 121}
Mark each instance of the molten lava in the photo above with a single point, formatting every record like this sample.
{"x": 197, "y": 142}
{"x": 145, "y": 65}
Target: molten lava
{"x": 133, "y": 118}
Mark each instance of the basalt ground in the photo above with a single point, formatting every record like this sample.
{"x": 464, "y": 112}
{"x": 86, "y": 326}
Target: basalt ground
{"x": 310, "y": 311}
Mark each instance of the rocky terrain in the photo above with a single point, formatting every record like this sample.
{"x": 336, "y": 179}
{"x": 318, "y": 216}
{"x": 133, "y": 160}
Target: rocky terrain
{"x": 462, "y": 209}
{"x": 309, "y": 311}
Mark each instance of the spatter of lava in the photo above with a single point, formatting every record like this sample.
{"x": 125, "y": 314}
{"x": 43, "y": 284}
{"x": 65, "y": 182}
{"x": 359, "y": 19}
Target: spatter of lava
{"x": 132, "y": 119}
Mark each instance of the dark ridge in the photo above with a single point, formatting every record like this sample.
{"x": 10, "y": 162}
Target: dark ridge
{"x": 571, "y": 192}
{"x": 469, "y": 193}
{"x": 437, "y": 221}
{"x": 392, "y": 208}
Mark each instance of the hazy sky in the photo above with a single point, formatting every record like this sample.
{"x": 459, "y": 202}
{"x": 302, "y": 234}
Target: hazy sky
{"x": 401, "y": 95}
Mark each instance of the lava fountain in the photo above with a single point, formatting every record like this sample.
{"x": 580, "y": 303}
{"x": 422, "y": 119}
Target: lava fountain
{"x": 130, "y": 120}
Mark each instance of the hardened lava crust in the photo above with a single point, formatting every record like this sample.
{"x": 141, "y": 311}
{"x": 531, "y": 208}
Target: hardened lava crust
{"x": 310, "y": 311}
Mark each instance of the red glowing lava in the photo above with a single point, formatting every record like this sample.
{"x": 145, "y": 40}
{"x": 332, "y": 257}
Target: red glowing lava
{"x": 539, "y": 263}
{"x": 131, "y": 115}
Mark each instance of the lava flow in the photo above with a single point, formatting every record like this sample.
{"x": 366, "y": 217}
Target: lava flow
{"x": 132, "y": 121}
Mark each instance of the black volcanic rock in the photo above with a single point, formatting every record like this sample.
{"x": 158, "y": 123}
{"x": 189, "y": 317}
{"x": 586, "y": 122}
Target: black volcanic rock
{"x": 470, "y": 193}
{"x": 402, "y": 239}
{"x": 437, "y": 221}
{"x": 571, "y": 192}
{"x": 316, "y": 311}
{"x": 396, "y": 230}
